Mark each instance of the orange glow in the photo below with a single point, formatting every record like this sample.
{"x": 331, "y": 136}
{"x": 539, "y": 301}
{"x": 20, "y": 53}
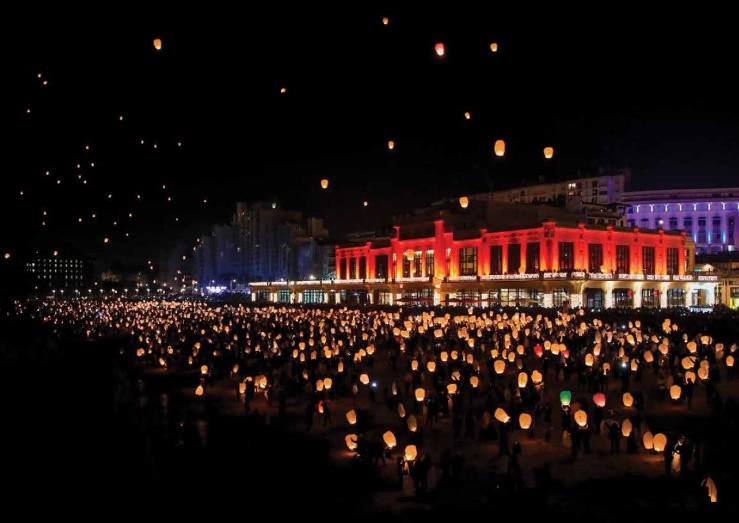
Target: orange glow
{"x": 499, "y": 148}
{"x": 158, "y": 44}
{"x": 494, "y": 47}
{"x": 548, "y": 152}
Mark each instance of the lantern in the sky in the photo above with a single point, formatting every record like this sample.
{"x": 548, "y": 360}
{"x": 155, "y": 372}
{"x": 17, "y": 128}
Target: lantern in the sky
{"x": 565, "y": 397}
{"x": 729, "y": 361}
{"x": 499, "y": 366}
{"x": 502, "y": 415}
{"x": 599, "y": 399}
{"x": 474, "y": 381}
{"x": 548, "y": 152}
{"x": 499, "y": 148}
{"x": 494, "y": 47}
{"x": 536, "y": 377}
{"x": 431, "y": 366}
{"x": 158, "y": 44}
{"x": 687, "y": 363}
{"x": 524, "y": 420}
{"x": 467, "y": 115}
{"x": 675, "y": 392}
{"x": 385, "y": 20}
{"x": 439, "y": 49}
{"x": 523, "y": 379}
{"x": 581, "y": 418}
{"x": 412, "y": 423}
{"x": 327, "y": 383}
{"x": 411, "y": 452}
{"x": 391, "y": 144}
{"x": 364, "y": 379}
{"x": 389, "y": 439}
{"x": 464, "y": 201}
{"x": 351, "y": 441}
{"x": 710, "y": 486}
{"x": 628, "y": 399}
{"x": 199, "y": 390}
{"x": 451, "y": 389}
{"x": 420, "y": 394}
{"x": 351, "y": 417}
{"x": 324, "y": 183}
{"x": 659, "y": 442}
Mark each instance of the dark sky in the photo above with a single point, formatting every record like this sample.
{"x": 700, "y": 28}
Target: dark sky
{"x": 618, "y": 87}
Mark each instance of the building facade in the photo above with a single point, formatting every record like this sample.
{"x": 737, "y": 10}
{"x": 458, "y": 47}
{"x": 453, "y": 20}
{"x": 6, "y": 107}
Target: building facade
{"x": 547, "y": 265}
{"x": 709, "y": 216}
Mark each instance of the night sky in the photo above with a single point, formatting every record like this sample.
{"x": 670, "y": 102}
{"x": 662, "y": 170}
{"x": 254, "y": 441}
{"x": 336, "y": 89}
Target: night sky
{"x": 654, "y": 92}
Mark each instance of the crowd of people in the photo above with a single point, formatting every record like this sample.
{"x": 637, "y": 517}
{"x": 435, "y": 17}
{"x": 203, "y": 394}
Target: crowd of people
{"x": 387, "y": 380}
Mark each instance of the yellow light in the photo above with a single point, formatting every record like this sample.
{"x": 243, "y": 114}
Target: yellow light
{"x": 158, "y": 44}
{"x": 464, "y": 201}
{"x": 548, "y": 152}
{"x": 494, "y": 47}
{"x": 324, "y": 183}
{"x": 499, "y": 148}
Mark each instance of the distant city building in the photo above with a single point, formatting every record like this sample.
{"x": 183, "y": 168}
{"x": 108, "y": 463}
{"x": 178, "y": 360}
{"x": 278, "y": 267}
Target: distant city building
{"x": 708, "y": 216}
{"x": 606, "y": 188}
{"x": 57, "y": 272}
{"x": 263, "y": 242}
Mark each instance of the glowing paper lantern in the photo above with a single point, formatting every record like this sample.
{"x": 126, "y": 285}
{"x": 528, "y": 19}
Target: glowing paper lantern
{"x": 494, "y": 47}
{"x": 351, "y": 417}
{"x": 536, "y": 377}
{"x": 502, "y": 415}
{"x": 464, "y": 201}
{"x": 467, "y": 115}
{"x": 710, "y": 486}
{"x": 351, "y": 441}
{"x": 648, "y": 440}
{"x": 523, "y": 379}
{"x": 524, "y": 420}
{"x": 581, "y": 418}
{"x": 328, "y": 383}
{"x": 385, "y": 20}
{"x": 675, "y": 392}
{"x": 729, "y": 360}
{"x": 499, "y": 366}
{"x": 391, "y": 144}
{"x": 324, "y": 183}
{"x": 548, "y": 152}
{"x": 431, "y": 366}
{"x": 412, "y": 423}
{"x": 451, "y": 389}
{"x": 599, "y": 399}
{"x": 420, "y": 394}
{"x": 474, "y": 381}
{"x": 659, "y": 442}
{"x": 389, "y": 439}
{"x": 439, "y": 49}
{"x": 565, "y": 397}
{"x": 411, "y": 452}
{"x": 687, "y": 362}
{"x": 626, "y": 428}
{"x": 499, "y": 148}
{"x": 628, "y": 399}
{"x": 158, "y": 44}
{"x": 364, "y": 379}
{"x": 199, "y": 390}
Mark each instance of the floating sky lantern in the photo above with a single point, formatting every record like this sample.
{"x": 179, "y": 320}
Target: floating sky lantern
{"x": 581, "y": 418}
{"x": 324, "y": 183}
{"x": 659, "y": 442}
{"x": 451, "y": 389}
{"x": 351, "y": 417}
{"x": 648, "y": 440}
{"x": 474, "y": 381}
{"x": 411, "y": 452}
{"x": 364, "y": 379}
{"x": 711, "y": 489}
{"x": 385, "y": 20}
{"x": 729, "y": 361}
{"x": 464, "y": 201}
{"x": 548, "y": 152}
{"x": 199, "y": 390}
{"x": 523, "y": 379}
{"x": 599, "y": 399}
{"x": 401, "y": 411}
{"x": 499, "y": 148}
{"x": 389, "y": 439}
{"x": 524, "y": 421}
{"x": 391, "y": 144}
{"x": 499, "y": 366}
{"x": 565, "y": 397}
{"x": 158, "y": 44}
{"x": 440, "y": 49}
{"x": 536, "y": 377}
{"x": 431, "y": 366}
{"x": 412, "y": 423}
{"x": 494, "y": 47}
